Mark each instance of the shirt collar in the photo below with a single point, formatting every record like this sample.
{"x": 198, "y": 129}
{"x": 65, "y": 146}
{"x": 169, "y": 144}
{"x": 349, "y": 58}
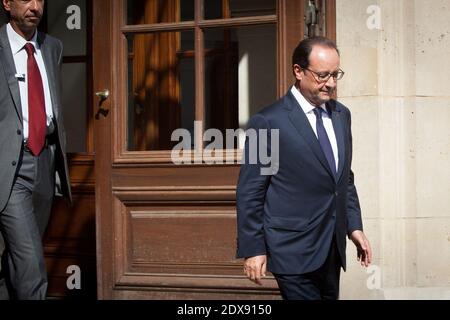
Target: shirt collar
{"x": 17, "y": 42}
{"x": 304, "y": 104}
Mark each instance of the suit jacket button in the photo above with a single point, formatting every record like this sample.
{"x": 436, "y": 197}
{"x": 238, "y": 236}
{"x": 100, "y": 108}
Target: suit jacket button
{"x": 336, "y": 193}
{"x": 19, "y": 132}
{"x": 14, "y": 163}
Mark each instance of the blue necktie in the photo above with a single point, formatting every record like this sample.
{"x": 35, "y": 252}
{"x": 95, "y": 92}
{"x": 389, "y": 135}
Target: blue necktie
{"x": 323, "y": 139}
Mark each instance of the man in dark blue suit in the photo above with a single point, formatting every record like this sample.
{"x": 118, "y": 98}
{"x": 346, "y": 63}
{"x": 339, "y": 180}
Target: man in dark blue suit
{"x": 294, "y": 222}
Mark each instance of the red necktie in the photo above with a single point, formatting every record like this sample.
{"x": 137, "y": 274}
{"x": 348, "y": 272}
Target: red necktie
{"x": 37, "y": 118}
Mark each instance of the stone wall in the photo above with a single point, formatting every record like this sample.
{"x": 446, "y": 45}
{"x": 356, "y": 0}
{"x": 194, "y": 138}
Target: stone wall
{"x": 396, "y": 55}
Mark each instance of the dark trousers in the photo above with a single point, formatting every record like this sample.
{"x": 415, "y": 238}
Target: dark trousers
{"x": 321, "y": 284}
{"x": 22, "y": 224}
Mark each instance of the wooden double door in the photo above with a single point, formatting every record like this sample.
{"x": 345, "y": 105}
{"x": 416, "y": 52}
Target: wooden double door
{"x": 164, "y": 76}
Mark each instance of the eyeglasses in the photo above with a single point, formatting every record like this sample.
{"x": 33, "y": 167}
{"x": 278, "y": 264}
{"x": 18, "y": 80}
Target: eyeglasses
{"x": 325, "y": 76}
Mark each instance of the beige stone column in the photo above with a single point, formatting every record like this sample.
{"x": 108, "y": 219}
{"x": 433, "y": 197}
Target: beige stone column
{"x": 396, "y": 87}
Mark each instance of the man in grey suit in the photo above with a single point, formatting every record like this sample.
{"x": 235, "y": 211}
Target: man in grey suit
{"x": 32, "y": 142}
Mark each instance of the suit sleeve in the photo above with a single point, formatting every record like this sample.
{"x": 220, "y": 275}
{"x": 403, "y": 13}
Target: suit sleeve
{"x": 354, "y": 221}
{"x": 251, "y": 191}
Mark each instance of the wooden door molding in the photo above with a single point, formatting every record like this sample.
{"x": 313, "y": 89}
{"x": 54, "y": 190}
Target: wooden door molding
{"x": 331, "y": 19}
{"x": 103, "y": 75}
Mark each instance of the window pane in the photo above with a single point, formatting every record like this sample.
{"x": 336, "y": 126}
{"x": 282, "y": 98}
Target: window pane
{"x": 161, "y": 88}
{"x": 213, "y": 9}
{"x": 240, "y": 75}
{"x": 159, "y": 11}
{"x": 216, "y": 9}
{"x": 67, "y": 22}
{"x": 75, "y": 106}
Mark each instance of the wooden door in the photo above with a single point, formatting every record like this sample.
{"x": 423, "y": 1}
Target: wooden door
{"x": 167, "y": 230}
{"x": 69, "y": 243}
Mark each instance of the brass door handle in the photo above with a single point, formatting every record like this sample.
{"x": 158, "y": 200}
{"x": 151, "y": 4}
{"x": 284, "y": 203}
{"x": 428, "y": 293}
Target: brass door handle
{"x": 103, "y": 95}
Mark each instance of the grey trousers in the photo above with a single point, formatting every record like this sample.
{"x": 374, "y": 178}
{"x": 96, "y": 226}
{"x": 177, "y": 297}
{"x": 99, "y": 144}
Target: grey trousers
{"x": 23, "y": 223}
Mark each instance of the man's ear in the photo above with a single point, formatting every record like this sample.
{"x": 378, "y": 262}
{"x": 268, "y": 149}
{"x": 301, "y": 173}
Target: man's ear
{"x": 298, "y": 72}
{"x": 6, "y": 5}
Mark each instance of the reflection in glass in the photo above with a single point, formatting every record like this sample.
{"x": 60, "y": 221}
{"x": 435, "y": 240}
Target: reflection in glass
{"x": 159, "y": 11}
{"x": 74, "y": 105}
{"x": 66, "y": 21}
{"x": 216, "y": 9}
{"x": 240, "y": 75}
{"x": 160, "y": 88}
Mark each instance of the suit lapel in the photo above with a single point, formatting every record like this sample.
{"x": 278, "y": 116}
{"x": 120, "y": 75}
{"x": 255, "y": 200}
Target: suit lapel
{"x": 50, "y": 69}
{"x": 9, "y": 68}
{"x": 338, "y": 126}
{"x": 301, "y": 123}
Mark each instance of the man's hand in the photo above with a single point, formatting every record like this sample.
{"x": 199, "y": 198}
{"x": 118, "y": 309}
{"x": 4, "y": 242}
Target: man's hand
{"x": 362, "y": 247}
{"x": 255, "y": 268}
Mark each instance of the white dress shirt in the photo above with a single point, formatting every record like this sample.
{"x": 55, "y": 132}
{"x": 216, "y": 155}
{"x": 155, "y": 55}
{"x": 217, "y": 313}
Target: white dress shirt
{"x": 327, "y": 123}
{"x": 20, "y": 56}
